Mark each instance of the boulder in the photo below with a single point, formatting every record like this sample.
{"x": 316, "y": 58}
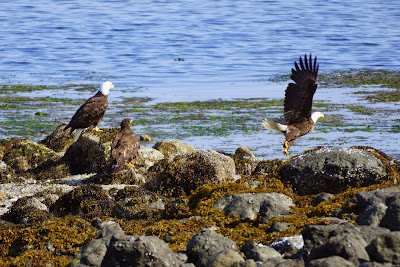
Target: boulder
{"x": 142, "y": 251}
{"x": 288, "y": 243}
{"x": 333, "y": 170}
{"x": 188, "y": 171}
{"x": 259, "y": 252}
{"x": 385, "y": 248}
{"x": 206, "y": 244}
{"x": 226, "y": 258}
{"x": 245, "y": 161}
{"x": 171, "y": 148}
{"x": 249, "y": 205}
{"x": 333, "y": 261}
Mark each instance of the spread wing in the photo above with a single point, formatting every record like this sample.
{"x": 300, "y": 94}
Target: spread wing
{"x": 124, "y": 147}
{"x": 299, "y": 95}
{"x": 90, "y": 113}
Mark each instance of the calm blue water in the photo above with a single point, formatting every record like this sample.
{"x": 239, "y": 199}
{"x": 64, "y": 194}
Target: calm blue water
{"x": 224, "y": 43}
{"x": 229, "y": 49}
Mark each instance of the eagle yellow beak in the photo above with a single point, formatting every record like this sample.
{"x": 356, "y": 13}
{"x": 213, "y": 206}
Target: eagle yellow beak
{"x": 322, "y": 115}
{"x": 112, "y": 86}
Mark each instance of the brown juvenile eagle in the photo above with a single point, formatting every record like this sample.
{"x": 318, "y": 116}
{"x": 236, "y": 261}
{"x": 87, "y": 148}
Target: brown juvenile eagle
{"x": 91, "y": 112}
{"x": 298, "y": 119}
{"x": 124, "y": 147}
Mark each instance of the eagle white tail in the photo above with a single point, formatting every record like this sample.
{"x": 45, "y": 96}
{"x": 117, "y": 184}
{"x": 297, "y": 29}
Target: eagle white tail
{"x": 275, "y": 126}
{"x": 77, "y": 133}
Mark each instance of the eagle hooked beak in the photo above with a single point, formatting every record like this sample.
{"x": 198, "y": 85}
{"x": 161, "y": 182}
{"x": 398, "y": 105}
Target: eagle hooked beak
{"x": 112, "y": 86}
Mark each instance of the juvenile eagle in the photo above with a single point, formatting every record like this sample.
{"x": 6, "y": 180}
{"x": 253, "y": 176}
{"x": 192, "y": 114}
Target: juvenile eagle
{"x": 91, "y": 112}
{"x": 124, "y": 147}
{"x": 298, "y": 119}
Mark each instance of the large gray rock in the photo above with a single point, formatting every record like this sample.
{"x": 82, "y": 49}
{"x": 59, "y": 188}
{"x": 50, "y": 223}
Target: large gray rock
{"x": 249, "y": 205}
{"x": 206, "y": 244}
{"x": 333, "y": 261}
{"x": 186, "y": 172}
{"x": 391, "y": 219}
{"x": 386, "y": 248}
{"x": 142, "y": 251}
{"x": 333, "y": 170}
{"x": 343, "y": 240}
{"x": 225, "y": 258}
{"x": 93, "y": 253}
{"x": 259, "y": 252}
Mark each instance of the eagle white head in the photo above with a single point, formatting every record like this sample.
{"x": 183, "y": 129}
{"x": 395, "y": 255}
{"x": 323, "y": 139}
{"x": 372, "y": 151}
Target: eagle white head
{"x": 105, "y": 87}
{"x": 316, "y": 115}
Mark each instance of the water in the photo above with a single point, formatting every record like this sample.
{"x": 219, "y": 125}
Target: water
{"x": 229, "y": 48}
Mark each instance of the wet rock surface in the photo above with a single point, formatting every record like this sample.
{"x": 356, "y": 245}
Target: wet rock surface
{"x": 333, "y": 170}
{"x": 179, "y": 206}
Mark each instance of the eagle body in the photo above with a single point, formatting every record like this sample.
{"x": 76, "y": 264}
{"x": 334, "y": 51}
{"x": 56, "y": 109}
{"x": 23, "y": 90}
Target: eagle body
{"x": 91, "y": 112}
{"x": 124, "y": 147}
{"x": 298, "y": 119}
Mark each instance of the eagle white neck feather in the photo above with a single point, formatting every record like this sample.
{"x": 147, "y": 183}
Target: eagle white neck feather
{"x": 105, "y": 87}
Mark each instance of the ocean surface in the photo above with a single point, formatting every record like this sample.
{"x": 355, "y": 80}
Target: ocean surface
{"x": 192, "y": 50}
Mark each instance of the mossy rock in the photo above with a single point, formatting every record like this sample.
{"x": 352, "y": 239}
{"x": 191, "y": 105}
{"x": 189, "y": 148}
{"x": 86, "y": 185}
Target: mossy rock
{"x": 188, "y": 171}
{"x": 27, "y": 210}
{"x": 171, "y": 148}
{"x": 87, "y": 201}
{"x": 245, "y": 161}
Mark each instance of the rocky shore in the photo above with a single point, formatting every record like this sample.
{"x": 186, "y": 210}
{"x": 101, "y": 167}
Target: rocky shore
{"x": 181, "y": 206}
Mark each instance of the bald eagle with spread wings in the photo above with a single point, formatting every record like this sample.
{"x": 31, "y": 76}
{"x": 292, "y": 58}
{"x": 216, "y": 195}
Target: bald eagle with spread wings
{"x": 124, "y": 147}
{"x": 91, "y": 112}
{"x": 298, "y": 119}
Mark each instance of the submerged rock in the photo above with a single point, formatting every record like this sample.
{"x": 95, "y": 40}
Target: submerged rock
{"x": 250, "y": 205}
{"x": 333, "y": 170}
{"x": 188, "y": 171}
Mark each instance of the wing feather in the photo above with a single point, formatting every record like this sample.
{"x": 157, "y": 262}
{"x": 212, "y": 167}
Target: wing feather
{"x": 124, "y": 147}
{"x": 299, "y": 95}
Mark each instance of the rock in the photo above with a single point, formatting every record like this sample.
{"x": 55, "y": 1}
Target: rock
{"x": 321, "y": 198}
{"x": 369, "y": 233}
{"x": 87, "y": 201}
{"x": 372, "y": 215}
{"x": 343, "y": 240}
{"x": 333, "y": 261}
{"x": 259, "y": 252}
{"x": 245, "y": 161}
{"x": 225, "y": 258}
{"x": 205, "y": 244}
{"x": 367, "y": 198}
{"x": 278, "y": 227}
{"x": 59, "y": 140}
{"x": 171, "y": 148}
{"x": 87, "y": 155}
{"x": 146, "y": 158}
{"x": 391, "y": 219}
{"x": 137, "y": 203}
{"x": 288, "y": 243}
{"x": 187, "y": 172}
{"x": 141, "y": 251}
{"x": 27, "y": 210}
{"x": 270, "y": 168}
{"x": 93, "y": 253}
{"x": 280, "y": 262}
{"x": 333, "y": 170}
{"x": 247, "y": 263}
{"x": 145, "y": 138}
{"x": 385, "y": 248}
{"x": 249, "y": 205}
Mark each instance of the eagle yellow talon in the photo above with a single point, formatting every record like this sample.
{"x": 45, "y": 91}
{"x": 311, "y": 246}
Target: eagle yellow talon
{"x": 286, "y": 152}
{"x": 286, "y": 145}
{"x": 96, "y": 129}
{"x": 130, "y": 165}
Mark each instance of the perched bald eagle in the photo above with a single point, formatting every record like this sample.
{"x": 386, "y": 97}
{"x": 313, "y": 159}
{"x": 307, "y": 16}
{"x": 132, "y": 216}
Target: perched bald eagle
{"x": 91, "y": 112}
{"x": 298, "y": 119}
{"x": 124, "y": 147}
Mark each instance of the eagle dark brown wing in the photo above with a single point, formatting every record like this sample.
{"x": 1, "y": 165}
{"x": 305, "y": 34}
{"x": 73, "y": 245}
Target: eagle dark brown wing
{"x": 124, "y": 147}
{"x": 299, "y": 95}
{"x": 90, "y": 113}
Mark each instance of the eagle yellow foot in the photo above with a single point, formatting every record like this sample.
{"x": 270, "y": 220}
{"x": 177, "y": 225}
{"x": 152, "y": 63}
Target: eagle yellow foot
{"x": 286, "y": 152}
{"x": 286, "y": 145}
{"x": 130, "y": 165}
{"x": 96, "y": 129}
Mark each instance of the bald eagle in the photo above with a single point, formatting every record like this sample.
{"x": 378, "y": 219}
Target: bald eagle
{"x": 124, "y": 147}
{"x": 298, "y": 119}
{"x": 91, "y": 112}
